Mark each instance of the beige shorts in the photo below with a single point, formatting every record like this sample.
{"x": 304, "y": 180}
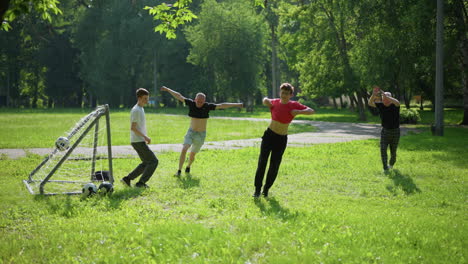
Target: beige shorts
{"x": 195, "y": 139}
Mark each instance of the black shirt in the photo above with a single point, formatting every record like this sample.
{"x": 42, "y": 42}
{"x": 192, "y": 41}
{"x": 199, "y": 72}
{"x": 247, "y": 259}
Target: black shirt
{"x": 390, "y": 115}
{"x": 201, "y": 112}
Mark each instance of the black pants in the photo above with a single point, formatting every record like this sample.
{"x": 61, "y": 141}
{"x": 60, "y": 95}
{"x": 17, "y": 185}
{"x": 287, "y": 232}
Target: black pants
{"x": 148, "y": 165}
{"x": 389, "y": 137}
{"x": 274, "y": 144}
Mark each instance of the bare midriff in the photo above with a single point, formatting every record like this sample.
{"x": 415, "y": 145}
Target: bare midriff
{"x": 279, "y": 128}
{"x": 198, "y": 124}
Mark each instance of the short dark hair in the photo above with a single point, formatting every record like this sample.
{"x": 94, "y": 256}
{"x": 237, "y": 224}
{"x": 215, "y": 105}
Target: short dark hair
{"x": 287, "y": 87}
{"x": 141, "y": 92}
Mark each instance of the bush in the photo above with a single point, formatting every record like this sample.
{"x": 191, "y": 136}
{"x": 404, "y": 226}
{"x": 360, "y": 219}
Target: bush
{"x": 409, "y": 116}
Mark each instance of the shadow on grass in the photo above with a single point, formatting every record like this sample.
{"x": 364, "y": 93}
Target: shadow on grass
{"x": 188, "y": 181}
{"x": 405, "y": 183}
{"x": 69, "y": 205}
{"x": 121, "y": 195}
{"x": 271, "y": 207}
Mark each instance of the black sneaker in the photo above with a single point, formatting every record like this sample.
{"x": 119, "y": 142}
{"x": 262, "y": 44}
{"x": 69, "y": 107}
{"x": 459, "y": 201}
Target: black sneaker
{"x": 256, "y": 195}
{"x": 265, "y": 194}
{"x": 126, "y": 181}
{"x": 141, "y": 185}
{"x": 187, "y": 170}
{"x": 177, "y": 173}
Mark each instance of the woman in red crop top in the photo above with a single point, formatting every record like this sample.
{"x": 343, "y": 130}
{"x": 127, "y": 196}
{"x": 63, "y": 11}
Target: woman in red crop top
{"x": 275, "y": 138}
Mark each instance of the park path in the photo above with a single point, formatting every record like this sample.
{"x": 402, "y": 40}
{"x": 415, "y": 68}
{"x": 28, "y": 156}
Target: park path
{"x": 328, "y": 132}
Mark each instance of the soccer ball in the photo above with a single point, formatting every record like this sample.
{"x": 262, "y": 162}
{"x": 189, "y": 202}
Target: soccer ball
{"x": 106, "y": 188}
{"x": 88, "y": 189}
{"x": 62, "y": 143}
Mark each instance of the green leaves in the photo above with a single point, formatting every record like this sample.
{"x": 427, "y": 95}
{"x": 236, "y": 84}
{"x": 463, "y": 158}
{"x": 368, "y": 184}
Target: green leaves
{"x": 46, "y": 9}
{"x": 171, "y": 16}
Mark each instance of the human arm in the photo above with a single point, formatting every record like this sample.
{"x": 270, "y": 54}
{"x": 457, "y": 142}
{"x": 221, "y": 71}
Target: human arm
{"x": 374, "y": 97}
{"x": 307, "y": 111}
{"x": 175, "y": 94}
{"x": 391, "y": 99}
{"x": 135, "y": 130}
{"x": 229, "y": 105}
{"x": 267, "y": 102}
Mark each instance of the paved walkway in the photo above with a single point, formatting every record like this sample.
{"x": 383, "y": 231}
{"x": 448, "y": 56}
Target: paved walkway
{"x": 328, "y": 132}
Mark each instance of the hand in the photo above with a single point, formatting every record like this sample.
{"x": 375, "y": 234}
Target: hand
{"x": 164, "y": 88}
{"x": 147, "y": 140}
{"x": 295, "y": 112}
{"x": 376, "y": 91}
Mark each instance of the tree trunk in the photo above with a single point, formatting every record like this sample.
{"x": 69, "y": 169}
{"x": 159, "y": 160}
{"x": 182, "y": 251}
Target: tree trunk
{"x": 274, "y": 64}
{"x": 334, "y": 103}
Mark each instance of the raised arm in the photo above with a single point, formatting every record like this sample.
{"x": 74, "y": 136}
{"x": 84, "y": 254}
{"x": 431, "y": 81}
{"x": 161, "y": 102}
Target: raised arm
{"x": 374, "y": 97}
{"x": 229, "y": 105}
{"x": 388, "y": 97}
{"x": 176, "y": 95}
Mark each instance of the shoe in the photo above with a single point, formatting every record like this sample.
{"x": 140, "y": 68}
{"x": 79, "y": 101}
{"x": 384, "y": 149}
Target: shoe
{"x": 256, "y": 195}
{"x": 187, "y": 170}
{"x": 126, "y": 181}
{"x": 265, "y": 194}
{"x": 177, "y": 174}
{"x": 390, "y": 167}
{"x": 141, "y": 185}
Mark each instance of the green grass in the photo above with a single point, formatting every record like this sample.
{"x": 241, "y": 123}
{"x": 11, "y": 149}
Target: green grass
{"x": 26, "y": 128}
{"x": 41, "y": 129}
{"x": 330, "y": 204}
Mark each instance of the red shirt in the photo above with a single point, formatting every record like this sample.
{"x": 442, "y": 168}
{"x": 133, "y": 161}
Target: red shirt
{"x": 282, "y": 112}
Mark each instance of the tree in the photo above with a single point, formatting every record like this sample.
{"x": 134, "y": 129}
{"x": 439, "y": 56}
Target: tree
{"x": 12, "y": 9}
{"x": 228, "y": 44}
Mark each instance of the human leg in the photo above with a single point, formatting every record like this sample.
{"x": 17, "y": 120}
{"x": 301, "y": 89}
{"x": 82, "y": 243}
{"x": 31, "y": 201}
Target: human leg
{"x": 191, "y": 160}
{"x": 151, "y": 163}
{"x": 395, "y": 138}
{"x": 183, "y": 154}
{"x": 138, "y": 169}
{"x": 383, "y": 148}
{"x": 279, "y": 147}
{"x": 265, "y": 150}
{"x": 198, "y": 139}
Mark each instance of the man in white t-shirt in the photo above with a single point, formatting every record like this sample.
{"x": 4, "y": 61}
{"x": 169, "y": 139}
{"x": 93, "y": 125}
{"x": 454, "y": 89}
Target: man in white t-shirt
{"x": 140, "y": 141}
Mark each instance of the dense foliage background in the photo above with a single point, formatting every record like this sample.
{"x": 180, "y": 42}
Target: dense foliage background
{"x": 80, "y": 53}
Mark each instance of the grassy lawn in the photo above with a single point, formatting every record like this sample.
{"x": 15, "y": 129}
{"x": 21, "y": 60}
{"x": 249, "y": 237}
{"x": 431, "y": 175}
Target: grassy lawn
{"x": 327, "y": 206}
{"x": 26, "y": 128}
{"x": 41, "y": 129}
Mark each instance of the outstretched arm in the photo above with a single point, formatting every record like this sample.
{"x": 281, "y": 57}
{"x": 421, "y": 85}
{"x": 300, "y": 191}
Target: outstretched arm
{"x": 266, "y": 102}
{"x": 307, "y": 111}
{"x": 176, "y": 95}
{"x": 229, "y": 105}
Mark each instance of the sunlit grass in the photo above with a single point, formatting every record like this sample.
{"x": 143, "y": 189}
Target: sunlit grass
{"x": 330, "y": 204}
{"x": 27, "y": 130}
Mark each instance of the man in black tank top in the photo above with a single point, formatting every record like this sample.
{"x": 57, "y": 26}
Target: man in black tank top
{"x": 199, "y": 111}
{"x": 389, "y": 111}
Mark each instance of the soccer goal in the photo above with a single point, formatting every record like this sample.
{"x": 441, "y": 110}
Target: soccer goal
{"x": 82, "y": 155}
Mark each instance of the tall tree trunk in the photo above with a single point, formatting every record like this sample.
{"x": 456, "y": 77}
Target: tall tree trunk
{"x": 274, "y": 63}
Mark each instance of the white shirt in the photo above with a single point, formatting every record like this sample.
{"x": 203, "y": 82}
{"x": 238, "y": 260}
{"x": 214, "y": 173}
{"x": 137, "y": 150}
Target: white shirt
{"x": 137, "y": 115}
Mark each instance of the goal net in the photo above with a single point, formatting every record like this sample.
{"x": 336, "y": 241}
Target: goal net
{"x": 80, "y": 156}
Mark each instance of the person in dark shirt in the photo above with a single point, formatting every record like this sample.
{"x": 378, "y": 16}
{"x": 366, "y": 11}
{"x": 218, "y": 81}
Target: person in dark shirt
{"x": 389, "y": 111}
{"x": 196, "y": 134}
